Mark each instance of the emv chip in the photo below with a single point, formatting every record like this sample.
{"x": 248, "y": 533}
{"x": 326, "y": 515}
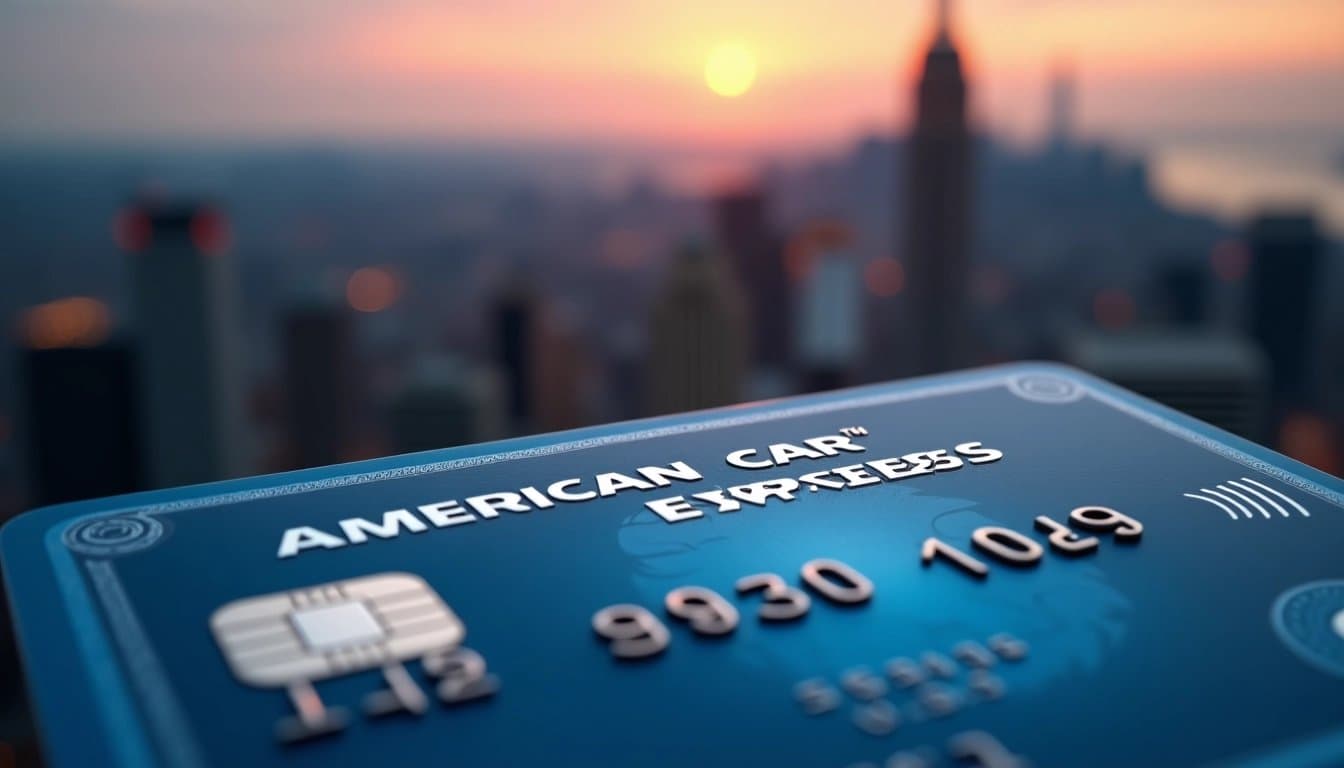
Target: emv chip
{"x": 333, "y": 629}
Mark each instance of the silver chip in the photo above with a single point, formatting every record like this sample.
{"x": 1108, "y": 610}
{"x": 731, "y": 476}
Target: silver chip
{"x": 332, "y": 629}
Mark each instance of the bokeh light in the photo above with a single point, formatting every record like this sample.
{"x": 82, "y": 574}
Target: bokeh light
{"x": 1309, "y": 439}
{"x": 884, "y": 277}
{"x": 132, "y": 231}
{"x": 77, "y": 321}
{"x": 1113, "y": 309}
{"x": 209, "y": 232}
{"x": 372, "y": 289}
{"x": 820, "y": 237}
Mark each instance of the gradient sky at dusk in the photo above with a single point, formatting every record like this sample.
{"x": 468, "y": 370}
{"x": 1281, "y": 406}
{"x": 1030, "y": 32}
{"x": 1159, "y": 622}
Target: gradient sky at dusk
{"x": 1195, "y": 75}
{"x": 611, "y": 69}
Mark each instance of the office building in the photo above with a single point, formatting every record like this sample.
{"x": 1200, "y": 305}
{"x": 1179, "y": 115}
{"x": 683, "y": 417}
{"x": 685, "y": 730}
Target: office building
{"x": 829, "y": 314}
{"x": 183, "y": 315}
{"x": 514, "y": 319}
{"x": 1183, "y": 290}
{"x": 755, "y": 253}
{"x": 1282, "y": 291}
{"x": 938, "y": 201}
{"x": 322, "y": 393}
{"x": 445, "y": 402}
{"x": 697, "y": 336}
{"x": 1223, "y": 380}
{"x": 81, "y": 422}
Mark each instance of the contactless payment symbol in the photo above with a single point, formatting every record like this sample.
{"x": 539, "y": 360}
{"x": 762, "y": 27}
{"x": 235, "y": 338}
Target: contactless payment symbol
{"x": 295, "y": 638}
{"x": 1246, "y": 495}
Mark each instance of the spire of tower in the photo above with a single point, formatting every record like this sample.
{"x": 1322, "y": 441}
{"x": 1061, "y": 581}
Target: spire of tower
{"x": 1062, "y": 102}
{"x": 938, "y": 207}
{"x": 942, "y": 30}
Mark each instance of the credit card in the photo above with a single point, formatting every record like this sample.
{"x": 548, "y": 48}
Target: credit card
{"x": 1011, "y": 566}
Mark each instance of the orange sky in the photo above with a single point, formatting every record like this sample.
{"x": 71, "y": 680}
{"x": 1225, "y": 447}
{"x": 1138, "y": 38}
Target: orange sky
{"x": 612, "y": 69}
{"x": 810, "y": 39}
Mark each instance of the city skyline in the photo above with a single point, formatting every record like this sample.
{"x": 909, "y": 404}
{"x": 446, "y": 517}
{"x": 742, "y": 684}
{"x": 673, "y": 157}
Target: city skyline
{"x": 923, "y": 229}
{"x": 500, "y": 70}
{"x": 1233, "y": 104}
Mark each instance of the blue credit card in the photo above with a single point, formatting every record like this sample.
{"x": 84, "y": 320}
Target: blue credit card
{"x": 1010, "y": 566}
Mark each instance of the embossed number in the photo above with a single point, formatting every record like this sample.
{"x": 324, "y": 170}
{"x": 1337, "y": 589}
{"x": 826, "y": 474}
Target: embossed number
{"x": 704, "y": 609}
{"x": 782, "y": 602}
{"x": 462, "y": 675}
{"x": 836, "y": 581}
{"x": 633, "y": 631}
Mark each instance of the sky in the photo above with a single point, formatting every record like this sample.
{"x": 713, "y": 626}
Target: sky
{"x": 1153, "y": 74}
{"x": 605, "y": 70}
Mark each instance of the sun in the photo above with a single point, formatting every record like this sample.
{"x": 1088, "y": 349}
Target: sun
{"x": 730, "y": 70}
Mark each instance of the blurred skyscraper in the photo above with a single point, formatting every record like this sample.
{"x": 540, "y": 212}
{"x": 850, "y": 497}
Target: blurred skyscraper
{"x": 829, "y": 316}
{"x": 514, "y": 319}
{"x": 697, "y": 336}
{"x": 938, "y": 200}
{"x": 321, "y": 391}
{"x": 1220, "y": 379}
{"x": 1285, "y": 250}
{"x": 183, "y": 303}
{"x": 560, "y": 366}
{"x": 1184, "y": 290}
{"x": 1062, "y": 99}
{"x": 82, "y": 426}
{"x": 446, "y": 402}
{"x": 741, "y": 221}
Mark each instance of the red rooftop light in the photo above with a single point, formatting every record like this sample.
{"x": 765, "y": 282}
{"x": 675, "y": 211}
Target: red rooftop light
{"x": 132, "y": 230}
{"x": 209, "y": 232}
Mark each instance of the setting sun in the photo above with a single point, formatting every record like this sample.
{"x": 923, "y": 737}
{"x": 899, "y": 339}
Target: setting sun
{"x": 730, "y": 70}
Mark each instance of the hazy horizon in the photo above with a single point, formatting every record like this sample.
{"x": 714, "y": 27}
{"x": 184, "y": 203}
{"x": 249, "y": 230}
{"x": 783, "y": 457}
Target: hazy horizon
{"x": 1235, "y": 103}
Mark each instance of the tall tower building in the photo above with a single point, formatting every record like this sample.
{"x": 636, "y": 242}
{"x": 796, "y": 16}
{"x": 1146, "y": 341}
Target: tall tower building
{"x": 1215, "y": 378}
{"x": 1285, "y": 251}
{"x": 939, "y": 197}
{"x": 321, "y": 389}
{"x": 829, "y": 314}
{"x": 561, "y": 365}
{"x": 445, "y": 402}
{"x": 1062, "y": 100}
{"x": 697, "y": 337}
{"x": 537, "y": 350}
{"x": 514, "y": 325}
{"x": 742, "y": 226}
{"x": 183, "y": 314}
{"x": 83, "y": 435}
{"x": 1184, "y": 293}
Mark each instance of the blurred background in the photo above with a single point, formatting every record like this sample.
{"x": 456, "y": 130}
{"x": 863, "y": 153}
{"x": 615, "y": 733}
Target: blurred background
{"x": 251, "y": 236}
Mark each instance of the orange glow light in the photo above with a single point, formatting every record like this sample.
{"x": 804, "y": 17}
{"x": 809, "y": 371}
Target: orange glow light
{"x": 884, "y": 277}
{"x": 1113, "y": 309}
{"x": 372, "y": 289}
{"x": 821, "y": 236}
{"x": 1310, "y": 440}
{"x": 78, "y": 321}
